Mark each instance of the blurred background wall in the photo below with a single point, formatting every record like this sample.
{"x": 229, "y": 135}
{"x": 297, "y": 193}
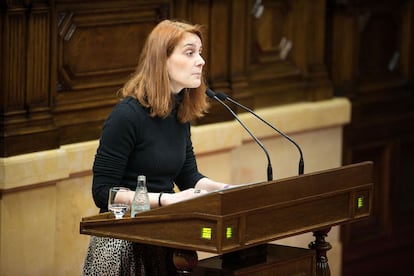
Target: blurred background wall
{"x": 337, "y": 75}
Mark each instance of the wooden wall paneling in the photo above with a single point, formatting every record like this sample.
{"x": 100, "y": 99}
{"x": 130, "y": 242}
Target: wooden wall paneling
{"x": 2, "y": 61}
{"x": 298, "y": 27}
{"x": 344, "y": 52}
{"x": 213, "y": 16}
{"x": 402, "y": 202}
{"x": 27, "y": 123}
{"x": 404, "y": 192}
{"x": 83, "y": 51}
{"x": 379, "y": 225}
{"x": 38, "y": 58}
{"x": 238, "y": 52}
{"x": 370, "y": 237}
{"x": 13, "y": 64}
{"x": 379, "y": 33}
{"x": 320, "y": 85}
{"x": 407, "y": 42}
{"x": 219, "y": 45}
{"x": 218, "y": 66}
{"x": 179, "y": 9}
{"x": 366, "y": 61}
{"x": 371, "y": 57}
{"x": 98, "y": 47}
{"x": 279, "y": 49}
{"x": 382, "y": 244}
{"x": 271, "y": 68}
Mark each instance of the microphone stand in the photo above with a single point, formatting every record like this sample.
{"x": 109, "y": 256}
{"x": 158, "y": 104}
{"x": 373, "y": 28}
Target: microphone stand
{"x": 212, "y": 95}
{"x": 301, "y": 166}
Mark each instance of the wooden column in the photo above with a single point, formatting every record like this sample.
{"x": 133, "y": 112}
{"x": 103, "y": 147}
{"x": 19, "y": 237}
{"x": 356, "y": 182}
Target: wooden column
{"x": 27, "y": 123}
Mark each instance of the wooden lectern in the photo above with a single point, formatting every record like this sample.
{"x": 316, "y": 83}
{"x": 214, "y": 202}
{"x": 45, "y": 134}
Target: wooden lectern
{"x": 244, "y": 218}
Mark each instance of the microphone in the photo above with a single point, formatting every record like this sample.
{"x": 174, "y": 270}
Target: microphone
{"x": 224, "y": 97}
{"x": 212, "y": 95}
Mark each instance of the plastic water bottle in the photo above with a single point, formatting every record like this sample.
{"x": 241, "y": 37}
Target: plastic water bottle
{"x": 140, "y": 203}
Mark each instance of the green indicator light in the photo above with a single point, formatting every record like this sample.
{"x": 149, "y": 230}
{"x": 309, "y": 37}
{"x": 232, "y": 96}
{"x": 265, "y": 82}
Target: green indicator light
{"x": 229, "y": 232}
{"x": 360, "y": 202}
{"x": 206, "y": 233}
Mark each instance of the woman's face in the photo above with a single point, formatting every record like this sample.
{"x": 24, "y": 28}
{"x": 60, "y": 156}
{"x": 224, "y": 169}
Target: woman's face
{"x": 185, "y": 64}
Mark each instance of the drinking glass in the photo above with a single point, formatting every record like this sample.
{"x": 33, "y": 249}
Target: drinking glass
{"x": 118, "y": 202}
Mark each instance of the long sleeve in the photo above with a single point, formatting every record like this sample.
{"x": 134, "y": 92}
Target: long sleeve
{"x": 133, "y": 143}
{"x": 117, "y": 141}
{"x": 189, "y": 174}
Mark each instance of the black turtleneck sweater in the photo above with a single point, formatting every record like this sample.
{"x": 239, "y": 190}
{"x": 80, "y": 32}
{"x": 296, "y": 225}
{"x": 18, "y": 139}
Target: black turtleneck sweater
{"x": 133, "y": 143}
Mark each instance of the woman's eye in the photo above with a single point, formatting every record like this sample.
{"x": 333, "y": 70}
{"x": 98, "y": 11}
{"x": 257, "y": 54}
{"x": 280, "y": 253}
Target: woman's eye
{"x": 191, "y": 53}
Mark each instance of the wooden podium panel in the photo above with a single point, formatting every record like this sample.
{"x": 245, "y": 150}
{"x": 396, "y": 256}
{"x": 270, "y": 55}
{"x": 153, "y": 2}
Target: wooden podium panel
{"x": 280, "y": 261}
{"x": 248, "y": 215}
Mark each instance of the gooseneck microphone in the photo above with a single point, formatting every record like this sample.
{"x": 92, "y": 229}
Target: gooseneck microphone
{"x": 212, "y": 95}
{"x": 224, "y": 97}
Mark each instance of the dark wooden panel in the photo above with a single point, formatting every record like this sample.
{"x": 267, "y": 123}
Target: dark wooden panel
{"x": 376, "y": 225}
{"x": 403, "y": 195}
{"x": 285, "y": 57}
{"x": 279, "y": 261}
{"x": 271, "y": 57}
{"x": 27, "y": 123}
{"x": 100, "y": 48}
{"x": 97, "y": 49}
{"x": 65, "y": 60}
{"x": 371, "y": 63}
{"x": 62, "y": 63}
{"x": 14, "y": 39}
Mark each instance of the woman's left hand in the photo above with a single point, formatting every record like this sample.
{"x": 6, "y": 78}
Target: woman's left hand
{"x": 168, "y": 199}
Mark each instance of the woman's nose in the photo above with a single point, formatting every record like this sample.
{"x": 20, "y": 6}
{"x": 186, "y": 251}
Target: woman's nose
{"x": 200, "y": 60}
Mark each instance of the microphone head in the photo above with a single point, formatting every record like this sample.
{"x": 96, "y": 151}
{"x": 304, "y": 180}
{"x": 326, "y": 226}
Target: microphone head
{"x": 210, "y": 93}
{"x": 221, "y": 96}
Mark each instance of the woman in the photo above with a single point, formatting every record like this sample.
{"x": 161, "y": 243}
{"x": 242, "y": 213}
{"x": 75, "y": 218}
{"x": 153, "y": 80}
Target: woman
{"x": 148, "y": 133}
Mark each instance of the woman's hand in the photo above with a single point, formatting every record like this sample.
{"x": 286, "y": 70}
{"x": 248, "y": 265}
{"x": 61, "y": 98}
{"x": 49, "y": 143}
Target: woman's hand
{"x": 168, "y": 199}
{"x": 211, "y": 185}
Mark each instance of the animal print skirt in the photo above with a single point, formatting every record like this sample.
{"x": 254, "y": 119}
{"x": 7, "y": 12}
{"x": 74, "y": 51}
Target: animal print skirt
{"x": 113, "y": 257}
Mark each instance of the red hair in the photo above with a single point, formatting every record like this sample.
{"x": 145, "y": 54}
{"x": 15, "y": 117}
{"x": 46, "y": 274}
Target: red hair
{"x": 150, "y": 83}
